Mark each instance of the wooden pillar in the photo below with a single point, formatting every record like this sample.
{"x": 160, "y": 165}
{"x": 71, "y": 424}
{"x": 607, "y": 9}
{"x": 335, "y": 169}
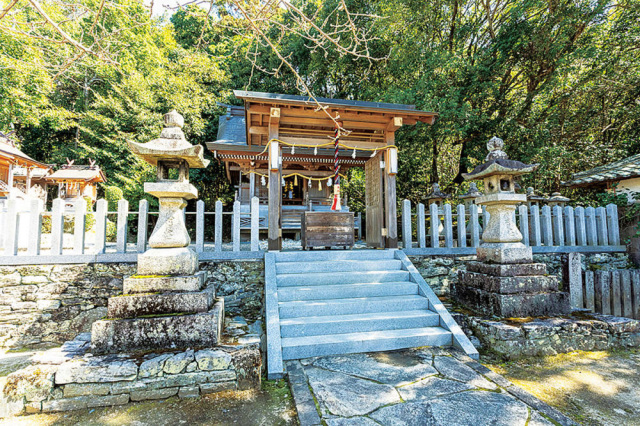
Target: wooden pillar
{"x": 252, "y": 185}
{"x": 390, "y": 189}
{"x": 275, "y": 189}
{"x": 10, "y": 179}
{"x": 28, "y": 180}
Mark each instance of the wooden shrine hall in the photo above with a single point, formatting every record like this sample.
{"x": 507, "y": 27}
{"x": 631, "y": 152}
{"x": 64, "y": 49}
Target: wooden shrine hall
{"x": 289, "y": 140}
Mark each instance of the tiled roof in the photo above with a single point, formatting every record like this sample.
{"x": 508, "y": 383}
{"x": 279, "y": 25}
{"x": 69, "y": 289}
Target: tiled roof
{"x": 9, "y": 151}
{"x": 623, "y": 169}
{"x": 232, "y": 128}
{"x": 87, "y": 173}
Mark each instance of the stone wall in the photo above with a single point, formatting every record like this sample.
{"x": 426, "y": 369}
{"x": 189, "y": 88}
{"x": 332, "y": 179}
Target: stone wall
{"x": 45, "y": 305}
{"x": 441, "y": 273}
{"x": 65, "y": 379}
{"x": 540, "y": 337}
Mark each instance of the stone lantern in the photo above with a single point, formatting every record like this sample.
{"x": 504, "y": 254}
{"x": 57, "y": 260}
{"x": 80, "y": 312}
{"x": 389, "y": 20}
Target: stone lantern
{"x": 436, "y": 196}
{"x": 469, "y": 198}
{"x": 505, "y": 281}
{"x": 165, "y": 306}
{"x": 533, "y": 199}
{"x": 558, "y": 199}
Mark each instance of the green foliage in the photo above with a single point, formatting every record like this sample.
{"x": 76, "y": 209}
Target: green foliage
{"x": 113, "y": 194}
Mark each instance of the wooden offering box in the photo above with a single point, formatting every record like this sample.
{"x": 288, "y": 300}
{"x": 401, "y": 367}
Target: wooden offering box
{"x": 327, "y": 229}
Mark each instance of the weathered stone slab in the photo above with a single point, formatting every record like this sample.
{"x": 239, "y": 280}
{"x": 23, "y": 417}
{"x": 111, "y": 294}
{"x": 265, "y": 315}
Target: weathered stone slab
{"x": 81, "y": 402}
{"x": 399, "y": 370}
{"x": 162, "y": 332}
{"x": 74, "y": 389}
{"x": 142, "y": 395}
{"x": 34, "y": 383}
{"x": 152, "y": 367}
{"x": 209, "y": 359}
{"x": 476, "y": 408}
{"x": 503, "y": 253}
{"x": 207, "y": 388}
{"x": 507, "y": 270}
{"x": 353, "y": 421}
{"x": 431, "y": 388}
{"x": 514, "y": 305}
{"x": 136, "y": 305}
{"x": 174, "y": 380}
{"x": 154, "y": 283}
{"x": 348, "y": 396}
{"x": 189, "y": 392}
{"x": 178, "y": 363}
{"x": 168, "y": 261}
{"x": 454, "y": 369}
{"x": 96, "y": 370}
{"x": 509, "y": 285}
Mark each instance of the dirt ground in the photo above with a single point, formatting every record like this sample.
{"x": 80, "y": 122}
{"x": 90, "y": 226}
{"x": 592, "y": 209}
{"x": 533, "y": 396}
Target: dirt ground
{"x": 594, "y": 388}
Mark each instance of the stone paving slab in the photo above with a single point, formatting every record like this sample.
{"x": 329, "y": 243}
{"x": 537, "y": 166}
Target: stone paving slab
{"x": 409, "y": 387}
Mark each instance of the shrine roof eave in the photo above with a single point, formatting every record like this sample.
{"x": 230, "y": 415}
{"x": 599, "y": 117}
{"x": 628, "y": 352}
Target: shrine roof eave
{"x": 340, "y": 104}
{"x": 244, "y": 150}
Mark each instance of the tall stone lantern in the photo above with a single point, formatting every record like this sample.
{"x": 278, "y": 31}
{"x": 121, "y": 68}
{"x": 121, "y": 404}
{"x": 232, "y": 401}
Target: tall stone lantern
{"x": 557, "y": 199}
{"x": 534, "y": 199}
{"x": 166, "y": 304}
{"x": 505, "y": 281}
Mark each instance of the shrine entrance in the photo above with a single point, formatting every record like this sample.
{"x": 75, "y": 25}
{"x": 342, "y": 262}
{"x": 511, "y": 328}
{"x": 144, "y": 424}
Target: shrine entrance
{"x": 281, "y": 149}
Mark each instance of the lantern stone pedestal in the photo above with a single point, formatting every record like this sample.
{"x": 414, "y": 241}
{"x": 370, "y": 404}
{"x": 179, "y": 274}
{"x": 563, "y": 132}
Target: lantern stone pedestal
{"x": 505, "y": 281}
{"x": 166, "y": 305}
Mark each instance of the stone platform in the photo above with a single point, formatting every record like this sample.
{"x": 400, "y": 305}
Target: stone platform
{"x": 511, "y": 290}
{"x": 69, "y": 378}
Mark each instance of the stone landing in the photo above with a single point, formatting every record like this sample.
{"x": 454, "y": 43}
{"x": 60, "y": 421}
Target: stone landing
{"x": 511, "y": 290}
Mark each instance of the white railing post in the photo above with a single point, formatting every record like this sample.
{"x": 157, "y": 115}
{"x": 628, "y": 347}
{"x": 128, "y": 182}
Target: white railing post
{"x": 420, "y": 226}
{"x": 592, "y": 234}
{"x": 218, "y": 228}
{"x": 143, "y": 218}
{"x": 435, "y": 225}
{"x": 57, "y": 226}
{"x": 547, "y": 230}
{"x": 601, "y": 217}
{"x": 462, "y": 226}
{"x": 406, "y": 224}
{"x": 79, "y": 224}
{"x": 11, "y": 227}
{"x": 569, "y": 226}
{"x": 524, "y": 224}
{"x": 35, "y": 228}
{"x": 558, "y": 226}
{"x": 122, "y": 226}
{"x": 255, "y": 224}
{"x": 199, "y": 226}
{"x": 536, "y": 239}
{"x": 475, "y": 226}
{"x": 613, "y": 226}
{"x": 101, "y": 225}
{"x": 448, "y": 226}
{"x": 236, "y": 226}
{"x": 581, "y": 231}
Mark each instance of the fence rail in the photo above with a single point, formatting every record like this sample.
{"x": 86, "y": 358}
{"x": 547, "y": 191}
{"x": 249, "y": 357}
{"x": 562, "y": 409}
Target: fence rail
{"x": 440, "y": 231}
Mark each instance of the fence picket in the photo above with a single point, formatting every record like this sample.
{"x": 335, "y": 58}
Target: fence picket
{"x": 475, "y": 226}
{"x": 569, "y": 226}
{"x": 612, "y": 224}
{"x": 435, "y": 225}
{"x": 35, "y": 227}
{"x": 589, "y": 295}
{"x": 635, "y": 290}
{"x": 462, "y": 226}
{"x": 535, "y": 226}
{"x": 255, "y": 224}
{"x": 122, "y": 226}
{"x": 603, "y": 292}
{"x": 406, "y": 224}
{"x": 235, "y": 224}
{"x": 448, "y": 226}
{"x": 616, "y": 294}
{"x": 524, "y": 224}
{"x": 12, "y": 225}
{"x": 547, "y": 230}
{"x": 101, "y": 226}
{"x": 80, "y": 221}
{"x": 218, "y": 227}
{"x": 581, "y": 232}
{"x": 200, "y": 226}
{"x": 420, "y": 227}
{"x": 558, "y": 228}
{"x": 143, "y": 221}
{"x": 592, "y": 235}
{"x": 625, "y": 284}
{"x": 601, "y": 220}
{"x": 57, "y": 226}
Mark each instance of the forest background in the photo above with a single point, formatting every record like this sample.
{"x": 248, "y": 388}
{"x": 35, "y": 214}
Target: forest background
{"x": 558, "y": 80}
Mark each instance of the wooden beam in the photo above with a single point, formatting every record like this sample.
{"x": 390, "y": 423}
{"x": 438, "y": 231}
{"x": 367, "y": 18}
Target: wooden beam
{"x": 258, "y": 130}
{"x": 312, "y": 113}
{"x": 321, "y": 141}
{"x": 394, "y": 124}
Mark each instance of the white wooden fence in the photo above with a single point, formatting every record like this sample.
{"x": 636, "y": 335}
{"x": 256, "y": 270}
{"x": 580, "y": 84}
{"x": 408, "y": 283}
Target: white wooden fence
{"x": 440, "y": 231}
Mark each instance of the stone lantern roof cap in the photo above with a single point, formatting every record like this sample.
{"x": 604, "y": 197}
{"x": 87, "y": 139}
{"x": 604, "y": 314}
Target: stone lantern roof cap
{"x": 497, "y": 163}
{"x": 532, "y": 196}
{"x": 171, "y": 145}
{"x": 557, "y": 197}
{"x": 473, "y": 192}
{"x": 436, "y": 193}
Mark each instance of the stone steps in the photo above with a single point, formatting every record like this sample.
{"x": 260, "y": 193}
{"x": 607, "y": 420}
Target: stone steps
{"x": 331, "y": 278}
{"x": 338, "y": 266}
{"x": 354, "y": 305}
{"x": 341, "y": 291}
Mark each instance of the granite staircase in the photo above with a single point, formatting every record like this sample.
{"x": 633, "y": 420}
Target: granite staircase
{"x": 338, "y": 302}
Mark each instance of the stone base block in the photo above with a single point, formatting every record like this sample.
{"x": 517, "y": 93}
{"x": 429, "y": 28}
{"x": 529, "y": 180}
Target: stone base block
{"x": 509, "y": 285}
{"x": 161, "y": 332}
{"x": 514, "y": 305}
{"x": 137, "y": 305}
{"x": 152, "y": 284}
{"x": 504, "y": 253}
{"x": 168, "y": 261}
{"x": 509, "y": 270}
